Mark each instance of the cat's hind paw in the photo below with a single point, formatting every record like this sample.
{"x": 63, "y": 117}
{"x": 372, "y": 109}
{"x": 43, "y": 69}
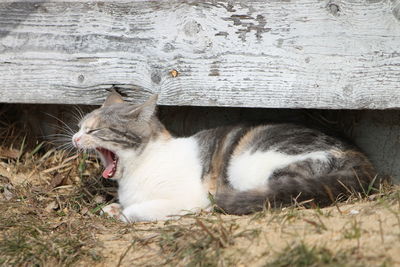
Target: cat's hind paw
{"x": 113, "y": 210}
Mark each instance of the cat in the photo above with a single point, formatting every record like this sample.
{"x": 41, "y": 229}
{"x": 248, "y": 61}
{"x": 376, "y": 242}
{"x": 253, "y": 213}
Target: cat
{"x": 240, "y": 169}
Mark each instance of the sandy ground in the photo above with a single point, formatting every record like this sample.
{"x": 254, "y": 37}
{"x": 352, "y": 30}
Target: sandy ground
{"x": 369, "y": 237}
{"x": 49, "y": 215}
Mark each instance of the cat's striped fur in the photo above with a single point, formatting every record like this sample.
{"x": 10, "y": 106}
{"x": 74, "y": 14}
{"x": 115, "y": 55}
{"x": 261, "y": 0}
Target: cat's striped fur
{"x": 292, "y": 164}
{"x": 244, "y": 168}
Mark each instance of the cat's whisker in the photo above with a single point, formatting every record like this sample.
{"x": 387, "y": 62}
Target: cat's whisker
{"x": 58, "y": 139}
{"x": 79, "y": 112}
{"x": 58, "y": 135}
{"x": 62, "y": 129}
{"x": 72, "y": 148}
{"x": 64, "y": 137}
{"x": 63, "y": 143}
{"x": 64, "y": 146}
{"x": 61, "y": 132}
{"x": 66, "y": 150}
{"x": 76, "y": 118}
{"x": 61, "y": 121}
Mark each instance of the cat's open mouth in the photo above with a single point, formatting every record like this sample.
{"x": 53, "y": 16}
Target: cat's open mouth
{"x": 110, "y": 162}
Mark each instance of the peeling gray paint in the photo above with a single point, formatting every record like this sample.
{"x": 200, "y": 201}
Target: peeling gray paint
{"x": 285, "y": 54}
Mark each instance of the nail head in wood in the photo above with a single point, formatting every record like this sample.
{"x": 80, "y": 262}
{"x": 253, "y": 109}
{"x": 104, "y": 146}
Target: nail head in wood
{"x": 81, "y": 78}
{"x": 334, "y": 9}
{"x": 174, "y": 73}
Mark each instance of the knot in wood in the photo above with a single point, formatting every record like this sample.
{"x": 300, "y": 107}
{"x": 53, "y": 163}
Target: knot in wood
{"x": 192, "y": 28}
{"x": 348, "y": 90}
{"x": 334, "y": 9}
{"x": 81, "y": 78}
{"x": 156, "y": 77}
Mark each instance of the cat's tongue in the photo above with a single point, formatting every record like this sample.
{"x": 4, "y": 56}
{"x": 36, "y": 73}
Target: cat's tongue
{"x": 110, "y": 162}
{"x": 109, "y": 171}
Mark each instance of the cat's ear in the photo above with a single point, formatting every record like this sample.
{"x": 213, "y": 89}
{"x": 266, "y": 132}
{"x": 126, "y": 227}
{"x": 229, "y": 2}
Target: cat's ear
{"x": 113, "y": 98}
{"x": 146, "y": 110}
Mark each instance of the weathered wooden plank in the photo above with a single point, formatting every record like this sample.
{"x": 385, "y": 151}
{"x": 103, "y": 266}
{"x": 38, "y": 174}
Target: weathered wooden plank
{"x": 306, "y": 53}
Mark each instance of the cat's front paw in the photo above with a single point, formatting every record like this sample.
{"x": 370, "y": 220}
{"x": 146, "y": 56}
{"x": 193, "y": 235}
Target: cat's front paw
{"x": 113, "y": 210}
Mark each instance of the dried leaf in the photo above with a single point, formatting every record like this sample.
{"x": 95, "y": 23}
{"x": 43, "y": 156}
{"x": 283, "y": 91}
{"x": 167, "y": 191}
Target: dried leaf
{"x": 99, "y": 199}
{"x": 51, "y": 206}
{"x": 7, "y": 194}
{"x": 57, "y": 180}
{"x": 84, "y": 211}
{"x": 9, "y": 153}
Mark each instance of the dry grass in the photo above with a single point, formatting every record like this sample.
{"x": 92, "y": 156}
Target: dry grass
{"x": 49, "y": 216}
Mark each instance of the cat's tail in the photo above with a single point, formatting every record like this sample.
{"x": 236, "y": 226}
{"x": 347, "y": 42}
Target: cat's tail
{"x": 286, "y": 191}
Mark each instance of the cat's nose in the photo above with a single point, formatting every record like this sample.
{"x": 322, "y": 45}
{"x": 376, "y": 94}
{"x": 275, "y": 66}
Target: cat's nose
{"x": 75, "y": 141}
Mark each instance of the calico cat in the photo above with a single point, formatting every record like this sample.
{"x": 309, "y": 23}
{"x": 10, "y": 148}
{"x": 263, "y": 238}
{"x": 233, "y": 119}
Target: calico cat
{"x": 243, "y": 168}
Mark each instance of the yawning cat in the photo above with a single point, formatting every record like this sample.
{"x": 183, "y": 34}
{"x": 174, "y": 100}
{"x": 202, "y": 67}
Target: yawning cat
{"x": 243, "y": 168}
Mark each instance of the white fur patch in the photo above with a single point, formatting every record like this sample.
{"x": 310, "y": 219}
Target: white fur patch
{"x": 164, "y": 180}
{"x": 252, "y": 170}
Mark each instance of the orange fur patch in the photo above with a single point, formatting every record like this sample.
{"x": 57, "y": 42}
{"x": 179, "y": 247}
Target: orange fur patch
{"x": 211, "y": 179}
{"x": 166, "y": 134}
{"x": 246, "y": 139}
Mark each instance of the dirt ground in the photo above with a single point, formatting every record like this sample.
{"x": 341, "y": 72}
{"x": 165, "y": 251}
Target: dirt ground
{"x": 49, "y": 216}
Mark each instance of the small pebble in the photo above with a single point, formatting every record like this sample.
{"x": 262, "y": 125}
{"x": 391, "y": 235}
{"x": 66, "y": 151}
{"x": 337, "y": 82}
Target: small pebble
{"x": 354, "y": 212}
{"x": 99, "y": 199}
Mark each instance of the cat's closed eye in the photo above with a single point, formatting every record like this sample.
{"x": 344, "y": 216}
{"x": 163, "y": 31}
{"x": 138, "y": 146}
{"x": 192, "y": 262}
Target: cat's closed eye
{"x": 91, "y": 131}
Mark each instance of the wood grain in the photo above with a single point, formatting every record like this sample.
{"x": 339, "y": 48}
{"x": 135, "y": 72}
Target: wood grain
{"x": 285, "y": 54}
